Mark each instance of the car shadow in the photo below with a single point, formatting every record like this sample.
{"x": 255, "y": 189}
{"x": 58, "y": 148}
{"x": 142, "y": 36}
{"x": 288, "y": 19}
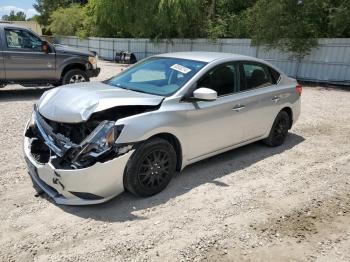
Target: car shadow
{"x": 22, "y": 94}
{"x": 121, "y": 208}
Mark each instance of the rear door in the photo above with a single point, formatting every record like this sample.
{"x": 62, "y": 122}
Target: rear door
{"x": 256, "y": 94}
{"x": 24, "y": 58}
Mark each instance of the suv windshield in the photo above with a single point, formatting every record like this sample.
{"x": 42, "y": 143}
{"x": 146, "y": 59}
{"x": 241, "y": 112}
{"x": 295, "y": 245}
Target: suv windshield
{"x": 157, "y": 75}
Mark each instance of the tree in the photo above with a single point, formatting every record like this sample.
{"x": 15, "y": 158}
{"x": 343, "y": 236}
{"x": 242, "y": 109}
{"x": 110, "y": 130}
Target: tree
{"x": 291, "y": 25}
{"x": 67, "y": 21}
{"x": 228, "y": 18}
{"x": 34, "y": 18}
{"x": 46, "y": 7}
{"x": 180, "y": 19}
{"x": 152, "y": 18}
{"x": 19, "y": 16}
{"x": 339, "y": 19}
{"x": 89, "y": 23}
{"x": 125, "y": 18}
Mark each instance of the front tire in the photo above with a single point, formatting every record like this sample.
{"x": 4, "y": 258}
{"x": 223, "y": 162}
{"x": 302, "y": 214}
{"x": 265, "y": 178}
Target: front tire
{"x": 279, "y": 130}
{"x": 75, "y": 76}
{"x": 150, "y": 168}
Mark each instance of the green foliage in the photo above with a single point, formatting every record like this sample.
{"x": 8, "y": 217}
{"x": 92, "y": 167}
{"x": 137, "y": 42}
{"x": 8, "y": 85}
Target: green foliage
{"x": 283, "y": 23}
{"x": 67, "y": 21}
{"x": 181, "y": 19}
{"x": 290, "y": 25}
{"x": 228, "y": 18}
{"x": 339, "y": 19}
{"x": 124, "y": 18}
{"x": 46, "y": 7}
{"x": 34, "y": 18}
{"x": 89, "y": 20}
{"x": 295, "y": 25}
{"x": 19, "y": 16}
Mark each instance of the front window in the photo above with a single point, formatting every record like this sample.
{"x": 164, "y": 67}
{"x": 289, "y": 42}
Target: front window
{"x": 157, "y": 75}
{"x": 222, "y": 79}
{"x": 22, "y": 39}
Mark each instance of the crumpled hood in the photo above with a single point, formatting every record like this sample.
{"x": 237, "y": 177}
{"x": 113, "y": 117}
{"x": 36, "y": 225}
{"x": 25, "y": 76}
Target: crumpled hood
{"x": 76, "y": 103}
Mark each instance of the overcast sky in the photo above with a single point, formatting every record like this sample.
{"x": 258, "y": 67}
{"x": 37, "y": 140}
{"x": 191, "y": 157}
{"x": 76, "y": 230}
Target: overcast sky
{"x": 25, "y": 6}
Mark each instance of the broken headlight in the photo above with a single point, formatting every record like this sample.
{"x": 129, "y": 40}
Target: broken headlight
{"x": 100, "y": 141}
{"x": 93, "y": 61}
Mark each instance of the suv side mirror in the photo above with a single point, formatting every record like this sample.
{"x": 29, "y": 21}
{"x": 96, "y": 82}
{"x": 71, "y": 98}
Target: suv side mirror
{"x": 45, "y": 47}
{"x": 205, "y": 94}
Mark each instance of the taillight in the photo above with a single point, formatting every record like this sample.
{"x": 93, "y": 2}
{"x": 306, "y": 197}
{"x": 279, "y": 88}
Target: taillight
{"x": 299, "y": 89}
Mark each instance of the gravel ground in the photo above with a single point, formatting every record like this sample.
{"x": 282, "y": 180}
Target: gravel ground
{"x": 254, "y": 203}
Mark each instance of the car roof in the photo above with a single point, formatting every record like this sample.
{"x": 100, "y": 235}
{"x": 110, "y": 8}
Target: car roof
{"x": 4, "y": 24}
{"x": 208, "y": 56}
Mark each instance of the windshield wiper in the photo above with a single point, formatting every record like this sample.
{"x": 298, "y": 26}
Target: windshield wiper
{"x": 140, "y": 91}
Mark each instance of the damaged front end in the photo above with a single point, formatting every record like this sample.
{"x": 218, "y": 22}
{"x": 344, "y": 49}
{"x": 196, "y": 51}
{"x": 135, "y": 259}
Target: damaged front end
{"x": 74, "y": 146}
{"x": 79, "y": 163}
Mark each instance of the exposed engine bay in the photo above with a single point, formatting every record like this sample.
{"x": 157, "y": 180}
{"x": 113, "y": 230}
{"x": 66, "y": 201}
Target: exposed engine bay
{"x": 80, "y": 145}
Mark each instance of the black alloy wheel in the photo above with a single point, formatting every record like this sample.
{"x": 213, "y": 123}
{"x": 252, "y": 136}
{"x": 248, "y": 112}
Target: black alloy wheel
{"x": 150, "y": 168}
{"x": 154, "y": 169}
{"x": 279, "y": 130}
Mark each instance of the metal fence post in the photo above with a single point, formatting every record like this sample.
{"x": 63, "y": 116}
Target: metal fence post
{"x": 113, "y": 50}
{"x": 257, "y": 51}
{"x": 297, "y": 68}
{"x": 129, "y": 45}
{"x": 146, "y": 42}
{"x": 99, "y": 46}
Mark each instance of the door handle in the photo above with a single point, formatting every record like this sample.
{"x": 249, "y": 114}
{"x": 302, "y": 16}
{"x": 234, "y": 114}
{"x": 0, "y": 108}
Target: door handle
{"x": 275, "y": 99}
{"x": 238, "y": 108}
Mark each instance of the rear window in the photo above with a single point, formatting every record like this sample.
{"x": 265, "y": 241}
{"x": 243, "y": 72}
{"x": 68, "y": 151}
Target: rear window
{"x": 254, "y": 75}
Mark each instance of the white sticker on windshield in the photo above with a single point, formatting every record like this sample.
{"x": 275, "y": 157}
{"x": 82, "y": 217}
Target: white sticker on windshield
{"x": 180, "y": 68}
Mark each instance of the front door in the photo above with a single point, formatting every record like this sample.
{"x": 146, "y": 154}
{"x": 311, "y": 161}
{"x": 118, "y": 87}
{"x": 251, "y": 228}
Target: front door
{"x": 214, "y": 125}
{"x": 24, "y": 58}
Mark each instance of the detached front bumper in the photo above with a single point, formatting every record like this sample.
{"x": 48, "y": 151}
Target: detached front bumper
{"x": 93, "y": 72}
{"x": 96, "y": 184}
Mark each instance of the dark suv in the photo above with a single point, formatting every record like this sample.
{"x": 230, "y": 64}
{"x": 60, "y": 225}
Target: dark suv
{"x": 26, "y": 59}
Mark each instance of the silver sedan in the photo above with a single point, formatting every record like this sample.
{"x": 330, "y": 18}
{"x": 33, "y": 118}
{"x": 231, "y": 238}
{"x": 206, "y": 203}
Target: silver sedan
{"x": 86, "y": 143}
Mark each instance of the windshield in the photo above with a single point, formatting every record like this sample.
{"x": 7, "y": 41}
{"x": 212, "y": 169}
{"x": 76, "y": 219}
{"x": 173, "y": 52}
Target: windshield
{"x": 157, "y": 75}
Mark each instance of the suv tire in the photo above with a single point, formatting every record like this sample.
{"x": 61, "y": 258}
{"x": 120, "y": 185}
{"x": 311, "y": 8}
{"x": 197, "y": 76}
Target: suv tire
{"x": 74, "y": 76}
{"x": 150, "y": 168}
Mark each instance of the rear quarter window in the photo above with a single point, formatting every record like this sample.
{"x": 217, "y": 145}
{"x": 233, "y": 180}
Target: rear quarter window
{"x": 275, "y": 76}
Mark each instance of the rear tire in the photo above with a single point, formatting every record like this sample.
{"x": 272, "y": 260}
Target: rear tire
{"x": 75, "y": 76}
{"x": 150, "y": 168}
{"x": 279, "y": 130}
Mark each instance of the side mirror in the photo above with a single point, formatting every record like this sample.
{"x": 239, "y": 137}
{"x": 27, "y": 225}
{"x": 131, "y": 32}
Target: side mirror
{"x": 45, "y": 47}
{"x": 205, "y": 94}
